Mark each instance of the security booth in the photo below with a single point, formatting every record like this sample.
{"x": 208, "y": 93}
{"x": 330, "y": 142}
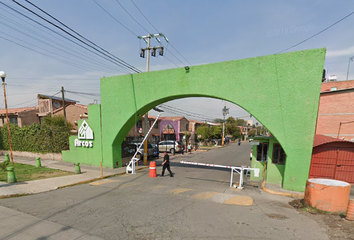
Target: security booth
{"x": 269, "y": 154}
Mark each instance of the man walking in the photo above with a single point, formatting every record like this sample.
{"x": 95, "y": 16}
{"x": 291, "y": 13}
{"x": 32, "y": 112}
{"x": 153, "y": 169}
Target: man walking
{"x": 166, "y": 164}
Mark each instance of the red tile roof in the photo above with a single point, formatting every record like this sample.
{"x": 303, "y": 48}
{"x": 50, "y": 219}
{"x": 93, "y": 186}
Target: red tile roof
{"x": 322, "y": 139}
{"x": 16, "y": 110}
{"x": 173, "y": 118}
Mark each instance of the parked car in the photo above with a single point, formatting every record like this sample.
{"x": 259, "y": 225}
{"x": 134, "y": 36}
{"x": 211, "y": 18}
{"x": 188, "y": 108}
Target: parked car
{"x": 156, "y": 150}
{"x": 140, "y": 154}
{"x": 170, "y": 146}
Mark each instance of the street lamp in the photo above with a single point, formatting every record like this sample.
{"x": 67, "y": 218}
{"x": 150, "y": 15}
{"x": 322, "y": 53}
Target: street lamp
{"x": 3, "y": 76}
{"x": 350, "y": 59}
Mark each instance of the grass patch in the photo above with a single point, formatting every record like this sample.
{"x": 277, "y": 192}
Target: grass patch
{"x": 300, "y": 205}
{"x": 24, "y": 172}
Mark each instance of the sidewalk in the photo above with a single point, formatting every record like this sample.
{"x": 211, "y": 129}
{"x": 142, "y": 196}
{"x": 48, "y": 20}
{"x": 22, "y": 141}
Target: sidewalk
{"x": 89, "y": 173}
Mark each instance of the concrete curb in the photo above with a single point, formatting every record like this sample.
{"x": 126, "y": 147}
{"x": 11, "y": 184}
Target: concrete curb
{"x": 99, "y": 178}
{"x": 286, "y": 194}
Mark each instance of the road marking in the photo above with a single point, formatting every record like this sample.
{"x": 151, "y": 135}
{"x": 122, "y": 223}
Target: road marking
{"x": 158, "y": 187}
{"x": 179, "y": 190}
{"x": 103, "y": 182}
{"x": 240, "y": 200}
{"x": 204, "y": 195}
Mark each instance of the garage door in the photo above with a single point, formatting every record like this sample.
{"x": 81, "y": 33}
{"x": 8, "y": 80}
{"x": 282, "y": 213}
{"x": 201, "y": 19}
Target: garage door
{"x": 333, "y": 163}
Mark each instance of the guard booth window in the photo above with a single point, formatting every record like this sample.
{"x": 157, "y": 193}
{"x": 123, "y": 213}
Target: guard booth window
{"x": 279, "y": 155}
{"x": 262, "y": 152}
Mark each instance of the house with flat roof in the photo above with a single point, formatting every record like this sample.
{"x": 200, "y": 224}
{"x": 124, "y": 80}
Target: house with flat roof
{"x": 21, "y": 116}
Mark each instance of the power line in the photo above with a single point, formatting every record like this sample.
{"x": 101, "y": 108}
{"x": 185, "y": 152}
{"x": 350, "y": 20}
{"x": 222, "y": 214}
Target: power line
{"x": 128, "y": 29}
{"x": 317, "y": 33}
{"x": 192, "y": 116}
{"x": 144, "y": 16}
{"x": 202, "y": 115}
{"x": 43, "y": 38}
{"x": 84, "y": 93}
{"x": 50, "y": 56}
{"x": 132, "y": 17}
{"x": 122, "y": 62}
{"x": 159, "y": 31}
{"x": 56, "y": 55}
{"x": 103, "y": 52}
{"x": 186, "y": 113}
{"x": 115, "y": 19}
{"x": 95, "y": 47}
{"x": 61, "y": 36}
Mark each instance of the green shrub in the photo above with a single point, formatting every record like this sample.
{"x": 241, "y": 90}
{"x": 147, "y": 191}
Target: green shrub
{"x": 49, "y": 137}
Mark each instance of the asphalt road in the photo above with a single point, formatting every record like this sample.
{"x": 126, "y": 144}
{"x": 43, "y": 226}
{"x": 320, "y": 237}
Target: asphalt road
{"x": 196, "y": 203}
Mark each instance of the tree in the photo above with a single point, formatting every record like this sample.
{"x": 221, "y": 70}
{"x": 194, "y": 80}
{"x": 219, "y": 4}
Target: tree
{"x": 252, "y": 133}
{"x": 204, "y": 132}
{"x": 218, "y": 120}
{"x": 209, "y": 132}
{"x": 231, "y": 120}
{"x": 56, "y": 121}
{"x": 187, "y": 136}
{"x": 240, "y": 122}
{"x": 216, "y": 132}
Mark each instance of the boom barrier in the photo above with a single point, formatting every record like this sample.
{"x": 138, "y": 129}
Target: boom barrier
{"x": 239, "y": 170}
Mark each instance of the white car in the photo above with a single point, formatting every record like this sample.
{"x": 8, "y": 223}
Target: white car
{"x": 140, "y": 154}
{"x": 170, "y": 146}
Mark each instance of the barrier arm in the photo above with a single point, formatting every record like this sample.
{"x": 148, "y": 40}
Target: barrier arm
{"x": 131, "y": 165}
{"x": 238, "y": 170}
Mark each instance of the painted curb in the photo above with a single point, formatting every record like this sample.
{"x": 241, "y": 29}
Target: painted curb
{"x": 99, "y": 178}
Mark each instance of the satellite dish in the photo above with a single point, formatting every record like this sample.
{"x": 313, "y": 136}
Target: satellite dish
{"x": 57, "y": 104}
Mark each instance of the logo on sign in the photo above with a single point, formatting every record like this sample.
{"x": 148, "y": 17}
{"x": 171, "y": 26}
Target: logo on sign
{"x": 85, "y": 133}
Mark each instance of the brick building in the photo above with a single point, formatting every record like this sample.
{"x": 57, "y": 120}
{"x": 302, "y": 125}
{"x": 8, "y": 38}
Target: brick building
{"x": 136, "y": 133}
{"x": 73, "y": 113}
{"x": 20, "y": 116}
{"x": 336, "y": 111}
{"x": 48, "y": 104}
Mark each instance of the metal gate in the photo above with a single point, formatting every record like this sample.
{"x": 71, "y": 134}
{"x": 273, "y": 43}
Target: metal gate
{"x": 333, "y": 163}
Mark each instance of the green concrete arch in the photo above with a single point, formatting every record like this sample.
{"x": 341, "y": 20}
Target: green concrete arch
{"x": 281, "y": 91}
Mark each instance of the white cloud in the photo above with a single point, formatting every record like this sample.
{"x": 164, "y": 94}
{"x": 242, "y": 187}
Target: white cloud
{"x": 342, "y": 52}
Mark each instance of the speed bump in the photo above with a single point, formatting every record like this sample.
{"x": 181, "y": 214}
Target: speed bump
{"x": 240, "y": 200}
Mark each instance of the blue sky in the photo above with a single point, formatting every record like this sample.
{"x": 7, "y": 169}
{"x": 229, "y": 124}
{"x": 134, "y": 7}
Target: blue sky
{"x": 202, "y": 31}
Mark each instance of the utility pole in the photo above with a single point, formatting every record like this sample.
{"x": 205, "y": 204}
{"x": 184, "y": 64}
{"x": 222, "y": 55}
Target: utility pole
{"x": 147, "y": 40}
{"x": 63, "y": 99}
{"x": 225, "y": 111}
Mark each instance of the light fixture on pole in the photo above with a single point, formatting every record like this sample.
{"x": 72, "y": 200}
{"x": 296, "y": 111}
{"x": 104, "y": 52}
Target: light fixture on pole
{"x": 3, "y": 76}
{"x": 350, "y": 59}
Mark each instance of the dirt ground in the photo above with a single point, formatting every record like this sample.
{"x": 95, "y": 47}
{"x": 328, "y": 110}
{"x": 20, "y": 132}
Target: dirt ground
{"x": 337, "y": 227}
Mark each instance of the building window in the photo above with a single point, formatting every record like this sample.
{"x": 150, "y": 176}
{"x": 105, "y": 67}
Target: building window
{"x": 262, "y": 152}
{"x": 156, "y": 126}
{"x": 279, "y": 155}
{"x": 187, "y": 127}
{"x": 13, "y": 120}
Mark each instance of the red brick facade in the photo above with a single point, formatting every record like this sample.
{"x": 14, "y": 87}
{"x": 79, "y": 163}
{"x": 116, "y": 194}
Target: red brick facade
{"x": 336, "y": 110}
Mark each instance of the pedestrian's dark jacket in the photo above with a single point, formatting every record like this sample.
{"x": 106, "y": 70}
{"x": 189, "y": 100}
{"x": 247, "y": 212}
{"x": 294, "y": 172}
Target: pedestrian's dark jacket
{"x": 166, "y": 158}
